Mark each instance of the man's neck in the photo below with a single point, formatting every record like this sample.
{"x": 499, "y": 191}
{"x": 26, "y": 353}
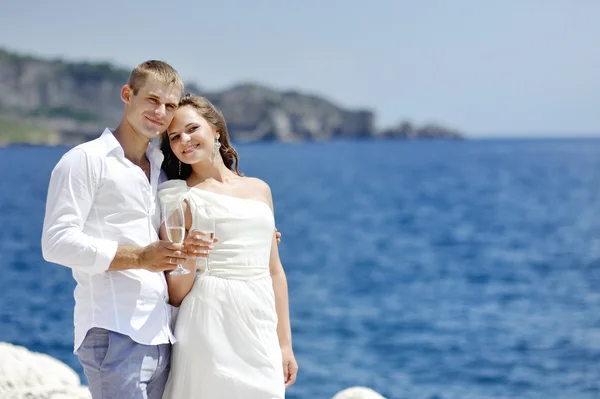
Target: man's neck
{"x": 134, "y": 145}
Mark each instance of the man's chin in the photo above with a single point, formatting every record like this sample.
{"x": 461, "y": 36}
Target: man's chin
{"x": 152, "y": 134}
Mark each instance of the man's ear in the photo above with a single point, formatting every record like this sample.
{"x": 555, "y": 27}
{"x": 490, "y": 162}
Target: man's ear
{"x": 126, "y": 93}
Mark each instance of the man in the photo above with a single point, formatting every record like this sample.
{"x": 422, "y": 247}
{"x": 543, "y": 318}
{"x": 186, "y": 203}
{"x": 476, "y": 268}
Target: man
{"x": 102, "y": 218}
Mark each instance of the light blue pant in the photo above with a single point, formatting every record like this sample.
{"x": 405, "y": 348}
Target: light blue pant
{"x": 118, "y": 367}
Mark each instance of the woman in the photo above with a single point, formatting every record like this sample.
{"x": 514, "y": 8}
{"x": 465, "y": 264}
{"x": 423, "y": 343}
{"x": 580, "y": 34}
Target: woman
{"x": 233, "y": 327}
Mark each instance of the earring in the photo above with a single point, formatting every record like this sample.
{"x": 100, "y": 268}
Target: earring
{"x": 179, "y": 168}
{"x": 217, "y": 142}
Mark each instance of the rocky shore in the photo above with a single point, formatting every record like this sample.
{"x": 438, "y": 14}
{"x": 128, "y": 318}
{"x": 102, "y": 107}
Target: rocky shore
{"x": 29, "y": 375}
{"x": 45, "y": 101}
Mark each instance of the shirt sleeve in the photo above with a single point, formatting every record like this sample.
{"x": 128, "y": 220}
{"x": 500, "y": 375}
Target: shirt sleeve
{"x": 70, "y": 198}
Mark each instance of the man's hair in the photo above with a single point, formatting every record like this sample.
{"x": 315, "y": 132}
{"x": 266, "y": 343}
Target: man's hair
{"x": 158, "y": 70}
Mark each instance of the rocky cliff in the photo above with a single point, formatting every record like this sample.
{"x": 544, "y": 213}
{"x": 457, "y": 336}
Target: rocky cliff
{"x": 55, "y": 101}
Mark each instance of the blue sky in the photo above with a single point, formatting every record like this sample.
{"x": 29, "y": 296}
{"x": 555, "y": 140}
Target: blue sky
{"x": 487, "y": 68}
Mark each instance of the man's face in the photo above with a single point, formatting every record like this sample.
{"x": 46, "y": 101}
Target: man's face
{"x": 151, "y": 110}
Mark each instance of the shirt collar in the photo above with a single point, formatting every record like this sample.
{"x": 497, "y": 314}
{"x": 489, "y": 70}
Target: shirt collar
{"x": 111, "y": 143}
{"x": 154, "y": 154}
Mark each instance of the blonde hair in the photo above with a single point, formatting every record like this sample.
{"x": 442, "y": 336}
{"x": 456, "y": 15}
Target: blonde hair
{"x": 215, "y": 118}
{"x": 158, "y": 70}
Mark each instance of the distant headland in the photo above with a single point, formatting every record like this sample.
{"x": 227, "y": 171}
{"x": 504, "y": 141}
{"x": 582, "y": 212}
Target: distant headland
{"x": 57, "y": 102}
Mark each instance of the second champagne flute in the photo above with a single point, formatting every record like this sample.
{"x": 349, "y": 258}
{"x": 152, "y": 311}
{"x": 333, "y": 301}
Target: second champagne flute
{"x": 205, "y": 222}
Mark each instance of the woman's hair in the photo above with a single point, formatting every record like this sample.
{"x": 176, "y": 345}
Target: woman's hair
{"x": 214, "y": 117}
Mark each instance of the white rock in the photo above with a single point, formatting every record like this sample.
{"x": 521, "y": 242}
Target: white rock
{"x": 30, "y": 375}
{"x": 48, "y": 393}
{"x": 358, "y": 393}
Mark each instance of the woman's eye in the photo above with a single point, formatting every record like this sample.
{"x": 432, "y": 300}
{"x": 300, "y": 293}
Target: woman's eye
{"x": 193, "y": 128}
{"x": 174, "y": 137}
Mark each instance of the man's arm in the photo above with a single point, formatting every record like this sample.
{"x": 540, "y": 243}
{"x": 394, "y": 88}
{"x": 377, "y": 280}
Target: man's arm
{"x": 70, "y": 197}
{"x": 159, "y": 256}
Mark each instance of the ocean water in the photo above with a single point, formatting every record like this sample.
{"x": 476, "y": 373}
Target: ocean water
{"x": 424, "y": 270}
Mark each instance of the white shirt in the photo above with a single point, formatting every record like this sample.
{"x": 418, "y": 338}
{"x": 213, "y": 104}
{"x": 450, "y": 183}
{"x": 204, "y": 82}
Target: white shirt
{"x": 98, "y": 200}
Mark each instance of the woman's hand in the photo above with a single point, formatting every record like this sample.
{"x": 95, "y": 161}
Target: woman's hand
{"x": 198, "y": 245}
{"x": 290, "y": 366}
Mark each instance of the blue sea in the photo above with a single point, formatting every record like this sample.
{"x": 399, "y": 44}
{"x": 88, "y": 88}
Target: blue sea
{"x": 421, "y": 269}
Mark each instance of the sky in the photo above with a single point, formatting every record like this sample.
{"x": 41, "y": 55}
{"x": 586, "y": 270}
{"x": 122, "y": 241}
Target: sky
{"x": 485, "y": 68}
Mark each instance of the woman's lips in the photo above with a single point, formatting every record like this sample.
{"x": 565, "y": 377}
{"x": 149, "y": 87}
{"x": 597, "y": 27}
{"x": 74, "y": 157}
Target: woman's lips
{"x": 190, "y": 148}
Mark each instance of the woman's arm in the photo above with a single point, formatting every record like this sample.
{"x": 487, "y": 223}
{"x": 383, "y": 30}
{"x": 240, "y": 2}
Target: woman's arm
{"x": 280, "y": 288}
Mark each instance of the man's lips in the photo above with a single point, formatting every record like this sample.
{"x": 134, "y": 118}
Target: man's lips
{"x": 157, "y": 123}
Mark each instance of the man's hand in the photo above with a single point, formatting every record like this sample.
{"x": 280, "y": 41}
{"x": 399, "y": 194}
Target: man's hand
{"x": 161, "y": 255}
{"x": 197, "y": 244}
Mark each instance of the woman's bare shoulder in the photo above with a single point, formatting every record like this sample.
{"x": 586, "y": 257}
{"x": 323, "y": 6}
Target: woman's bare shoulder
{"x": 257, "y": 189}
{"x": 257, "y": 184}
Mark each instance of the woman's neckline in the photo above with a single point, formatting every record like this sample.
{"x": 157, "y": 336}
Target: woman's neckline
{"x": 228, "y": 195}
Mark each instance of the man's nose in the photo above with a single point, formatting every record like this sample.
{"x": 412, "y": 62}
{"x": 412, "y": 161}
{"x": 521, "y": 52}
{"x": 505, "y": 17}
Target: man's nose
{"x": 160, "y": 110}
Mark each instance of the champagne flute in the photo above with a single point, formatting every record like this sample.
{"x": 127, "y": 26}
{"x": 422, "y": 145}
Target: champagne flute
{"x": 205, "y": 222}
{"x": 174, "y": 220}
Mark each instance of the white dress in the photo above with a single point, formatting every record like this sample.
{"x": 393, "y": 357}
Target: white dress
{"x": 226, "y": 329}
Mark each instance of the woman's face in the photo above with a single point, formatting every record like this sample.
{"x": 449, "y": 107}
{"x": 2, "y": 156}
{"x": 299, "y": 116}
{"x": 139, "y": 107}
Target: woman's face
{"x": 192, "y": 139}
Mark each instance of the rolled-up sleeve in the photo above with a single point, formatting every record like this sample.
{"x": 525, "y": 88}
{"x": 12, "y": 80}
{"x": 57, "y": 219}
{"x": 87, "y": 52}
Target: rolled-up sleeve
{"x": 70, "y": 199}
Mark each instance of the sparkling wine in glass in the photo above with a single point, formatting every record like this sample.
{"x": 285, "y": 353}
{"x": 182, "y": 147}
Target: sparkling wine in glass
{"x": 205, "y": 222}
{"x": 174, "y": 220}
